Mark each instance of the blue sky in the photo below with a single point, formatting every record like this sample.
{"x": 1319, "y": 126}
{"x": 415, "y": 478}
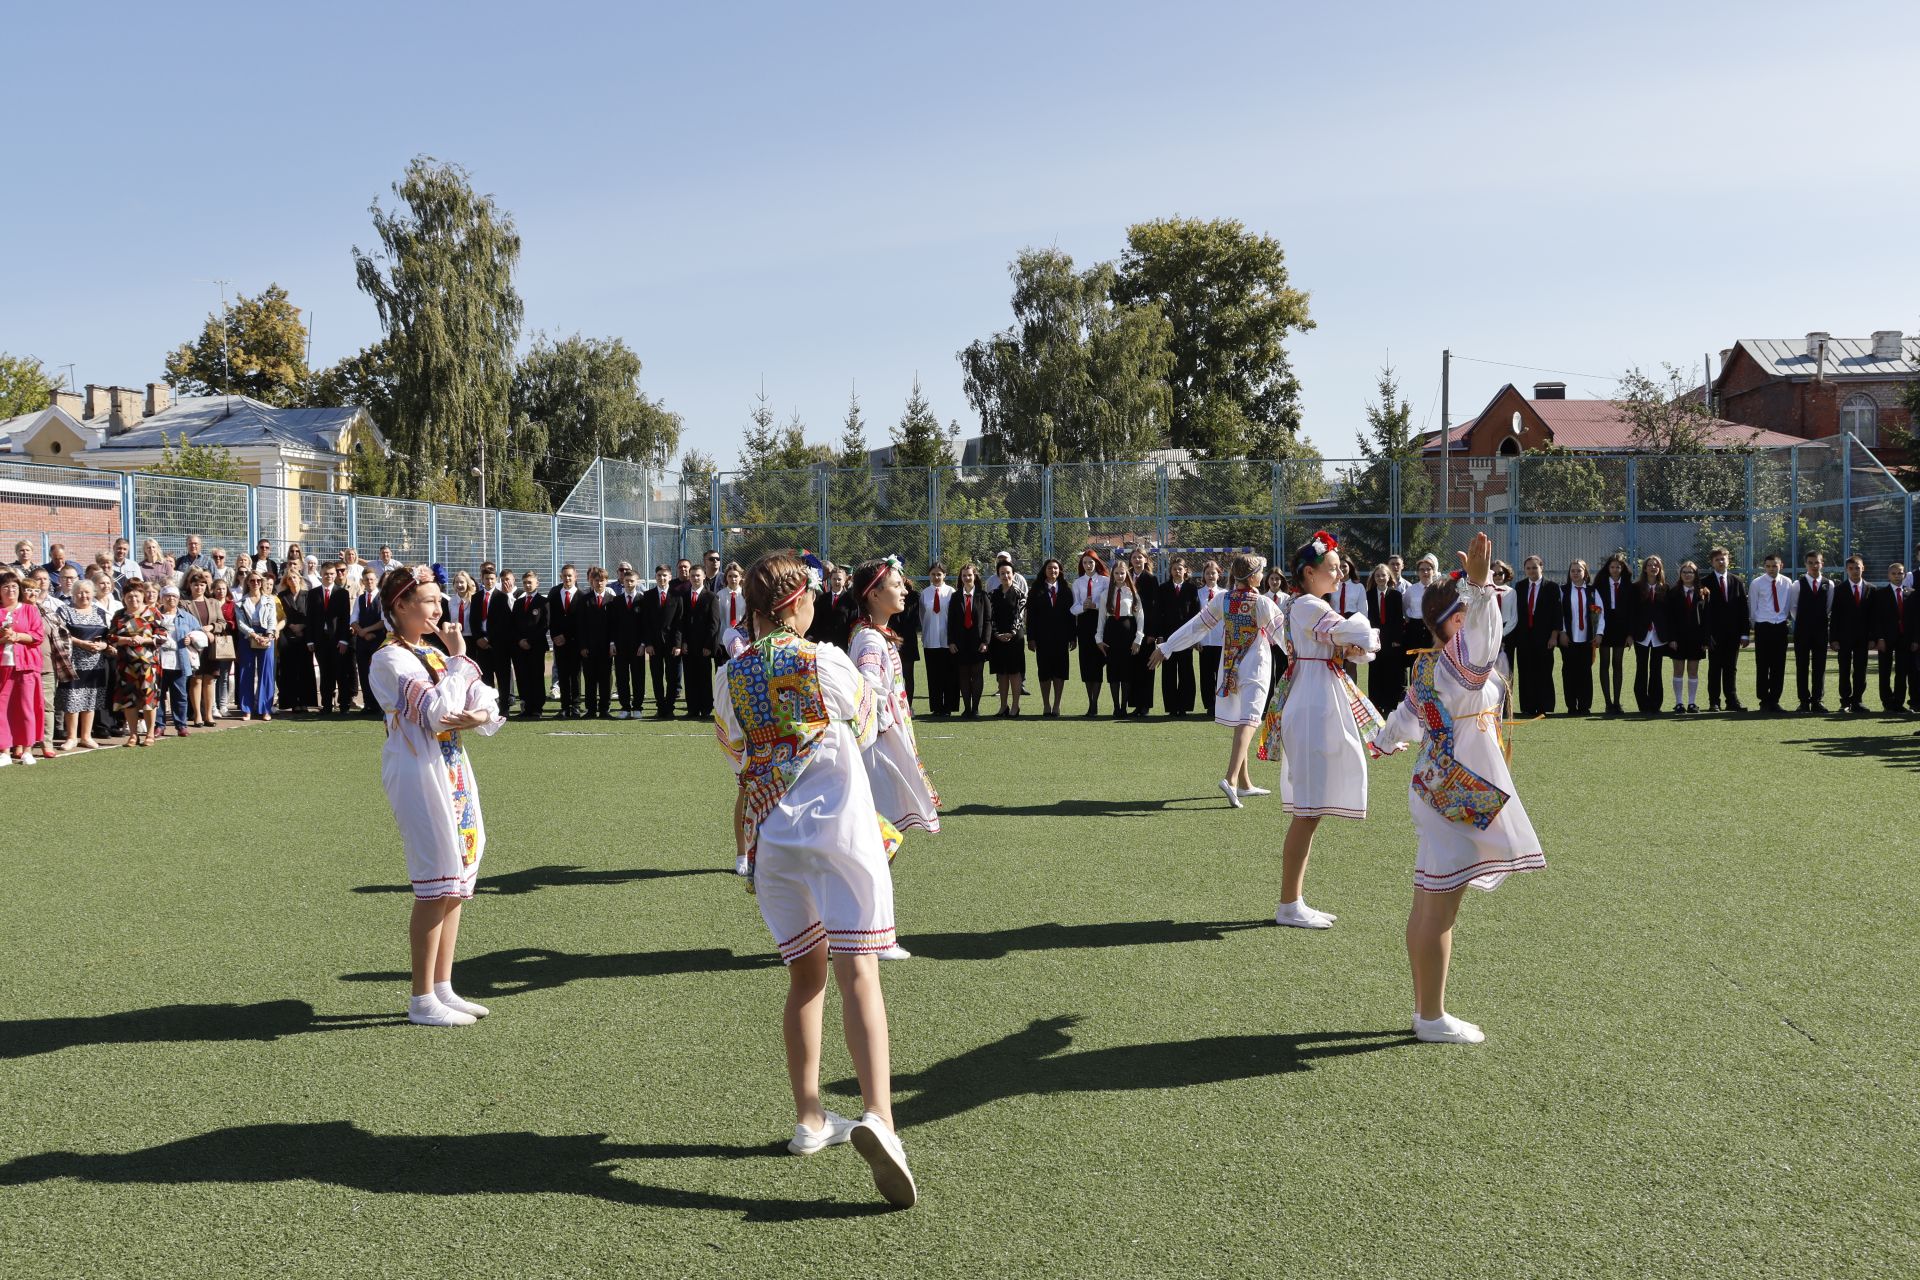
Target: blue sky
{"x": 827, "y": 196}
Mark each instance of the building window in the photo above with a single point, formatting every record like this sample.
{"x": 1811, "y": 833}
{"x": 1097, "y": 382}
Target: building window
{"x": 1861, "y": 416}
{"x": 1510, "y": 447}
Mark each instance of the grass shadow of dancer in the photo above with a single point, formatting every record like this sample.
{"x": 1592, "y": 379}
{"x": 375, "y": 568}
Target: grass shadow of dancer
{"x": 522, "y": 969}
{"x": 528, "y": 879}
{"x": 997, "y": 944}
{"x": 173, "y": 1023}
{"x": 1033, "y": 1061}
{"x": 343, "y": 1154}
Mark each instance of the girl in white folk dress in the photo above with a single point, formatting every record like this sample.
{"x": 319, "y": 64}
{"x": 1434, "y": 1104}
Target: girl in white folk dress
{"x": 1248, "y": 624}
{"x": 1324, "y": 721}
{"x": 903, "y": 794}
{"x": 794, "y": 719}
{"x": 1472, "y": 828}
{"x": 435, "y": 699}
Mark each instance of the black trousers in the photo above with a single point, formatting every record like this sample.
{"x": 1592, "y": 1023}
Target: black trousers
{"x": 363, "y": 665}
{"x": 530, "y": 669}
{"x": 1576, "y": 676}
{"x": 1386, "y": 679}
{"x": 1648, "y": 694}
{"x": 1536, "y": 678}
{"x": 1893, "y": 676}
{"x": 597, "y": 670}
{"x": 699, "y": 681}
{"x": 1176, "y": 683}
{"x": 333, "y": 690}
{"x": 1770, "y": 662}
{"x": 630, "y": 677}
{"x": 1140, "y": 680}
{"x": 1810, "y": 667}
{"x": 1613, "y": 663}
{"x": 907, "y": 668}
{"x": 1124, "y": 667}
{"x": 666, "y": 682}
{"x": 566, "y": 673}
{"x": 1852, "y": 658}
{"x": 943, "y": 681}
{"x": 1209, "y": 678}
{"x": 1723, "y": 660}
{"x": 1093, "y": 663}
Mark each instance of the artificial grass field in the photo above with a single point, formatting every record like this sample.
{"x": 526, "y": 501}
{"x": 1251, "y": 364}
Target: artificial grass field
{"x": 1701, "y": 1056}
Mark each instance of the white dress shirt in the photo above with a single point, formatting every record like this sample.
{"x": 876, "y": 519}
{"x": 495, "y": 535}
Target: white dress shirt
{"x": 1769, "y": 599}
{"x": 1584, "y": 625}
{"x": 933, "y": 623}
{"x": 1089, "y": 592}
{"x": 1805, "y": 584}
{"x": 1350, "y": 598}
{"x": 1216, "y": 635}
{"x": 1128, "y": 602}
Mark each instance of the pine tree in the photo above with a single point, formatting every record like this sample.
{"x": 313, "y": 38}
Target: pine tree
{"x": 918, "y": 438}
{"x": 852, "y": 495}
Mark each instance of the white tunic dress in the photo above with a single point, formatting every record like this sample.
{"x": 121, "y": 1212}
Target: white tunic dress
{"x": 1323, "y": 765}
{"x": 902, "y": 792}
{"x": 425, "y": 770}
{"x": 1247, "y": 626}
{"x": 1454, "y": 851}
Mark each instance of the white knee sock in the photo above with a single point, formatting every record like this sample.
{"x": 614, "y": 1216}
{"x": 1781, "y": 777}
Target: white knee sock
{"x": 1676, "y": 692}
{"x": 1693, "y": 689}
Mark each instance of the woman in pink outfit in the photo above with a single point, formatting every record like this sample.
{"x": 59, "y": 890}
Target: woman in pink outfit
{"x": 23, "y": 634}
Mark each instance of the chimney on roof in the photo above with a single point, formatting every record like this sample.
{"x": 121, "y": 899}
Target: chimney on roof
{"x": 125, "y": 412}
{"x": 1817, "y": 343}
{"x": 96, "y": 401}
{"x": 1886, "y": 344}
{"x": 67, "y": 402}
{"x": 159, "y": 398}
{"x": 1549, "y": 391}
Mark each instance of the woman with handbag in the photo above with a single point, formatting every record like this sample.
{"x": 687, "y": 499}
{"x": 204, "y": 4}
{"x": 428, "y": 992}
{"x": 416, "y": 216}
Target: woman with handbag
{"x": 258, "y": 620}
{"x": 83, "y": 686}
{"x": 212, "y": 662}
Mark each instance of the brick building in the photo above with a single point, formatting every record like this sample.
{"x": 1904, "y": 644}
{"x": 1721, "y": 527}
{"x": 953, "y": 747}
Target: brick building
{"x": 1821, "y": 386}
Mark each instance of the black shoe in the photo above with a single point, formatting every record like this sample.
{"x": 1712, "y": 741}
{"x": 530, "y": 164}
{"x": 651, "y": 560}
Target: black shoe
{"x": 1819, "y": 708}
{"x": 1736, "y": 707}
{"x": 1693, "y": 708}
{"x": 1714, "y": 707}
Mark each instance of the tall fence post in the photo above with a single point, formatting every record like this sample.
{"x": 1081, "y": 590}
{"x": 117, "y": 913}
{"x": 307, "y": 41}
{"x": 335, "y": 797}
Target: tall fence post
{"x": 253, "y": 516}
{"x": 1163, "y": 528}
{"x": 126, "y": 511}
{"x": 1846, "y": 495}
{"x": 1395, "y": 538}
{"x": 1046, "y": 513}
{"x": 353, "y": 521}
{"x": 713, "y": 514}
{"x": 1633, "y": 510}
{"x": 434, "y": 554}
{"x": 1793, "y": 505}
{"x": 600, "y": 502}
{"x": 1279, "y": 501}
{"x": 1749, "y": 551}
{"x": 933, "y": 514}
{"x": 823, "y": 478}
{"x": 1513, "y": 510}
{"x": 553, "y": 545}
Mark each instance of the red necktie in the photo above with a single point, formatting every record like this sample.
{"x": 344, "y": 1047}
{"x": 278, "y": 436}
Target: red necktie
{"x": 1533, "y": 593}
{"x": 1053, "y": 594}
{"x": 483, "y": 606}
{"x": 693, "y": 597}
{"x": 936, "y": 602}
{"x": 1776, "y": 594}
{"x": 966, "y": 611}
{"x": 733, "y": 610}
{"x": 1856, "y": 595}
{"x": 1089, "y": 591}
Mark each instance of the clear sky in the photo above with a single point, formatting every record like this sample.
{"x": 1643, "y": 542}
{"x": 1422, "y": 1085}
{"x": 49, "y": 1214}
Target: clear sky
{"x": 827, "y": 196}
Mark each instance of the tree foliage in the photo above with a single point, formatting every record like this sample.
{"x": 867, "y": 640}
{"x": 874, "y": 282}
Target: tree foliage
{"x": 25, "y": 385}
{"x": 1226, "y": 294}
{"x": 442, "y": 282}
{"x": 1388, "y": 446}
{"x": 256, "y": 347}
{"x": 194, "y": 461}
{"x": 918, "y": 438}
{"x": 1692, "y": 472}
{"x": 584, "y": 395}
{"x": 1078, "y": 377}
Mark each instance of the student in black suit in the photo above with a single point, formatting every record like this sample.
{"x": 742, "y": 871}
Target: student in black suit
{"x": 1649, "y": 638}
{"x": 1812, "y": 605}
{"x": 330, "y": 633}
{"x": 593, "y": 625}
{"x": 1580, "y": 613}
{"x": 703, "y": 643}
{"x": 1177, "y": 600}
{"x": 369, "y": 633}
{"x": 1147, "y": 583}
{"x": 629, "y": 657}
{"x": 493, "y": 633}
{"x": 1728, "y": 629}
{"x": 968, "y": 631}
{"x": 1893, "y": 620}
{"x": 1685, "y": 628}
{"x": 1770, "y": 605}
{"x": 1050, "y": 634}
{"x": 1615, "y": 593}
{"x": 1850, "y": 633}
{"x": 662, "y": 615}
{"x": 563, "y": 603}
{"x": 1386, "y": 613}
{"x": 1537, "y": 636}
{"x": 833, "y": 611}
{"x": 906, "y": 625}
{"x": 530, "y": 646}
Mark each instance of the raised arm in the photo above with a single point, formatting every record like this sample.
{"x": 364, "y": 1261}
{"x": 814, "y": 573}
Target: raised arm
{"x": 1193, "y": 629}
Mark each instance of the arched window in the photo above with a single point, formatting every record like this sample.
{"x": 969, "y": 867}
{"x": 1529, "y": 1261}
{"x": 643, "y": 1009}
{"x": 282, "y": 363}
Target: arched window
{"x": 1510, "y": 448}
{"x": 1861, "y": 416}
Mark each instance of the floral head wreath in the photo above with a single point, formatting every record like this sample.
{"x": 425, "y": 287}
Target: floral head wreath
{"x": 892, "y": 562}
{"x": 1316, "y": 549}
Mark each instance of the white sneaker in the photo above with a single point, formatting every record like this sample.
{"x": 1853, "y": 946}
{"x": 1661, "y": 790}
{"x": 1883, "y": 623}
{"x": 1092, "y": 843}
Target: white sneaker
{"x": 895, "y": 952}
{"x": 426, "y": 1011}
{"x": 28, "y": 759}
{"x": 741, "y": 866}
{"x": 5, "y": 760}
{"x": 553, "y": 692}
{"x": 460, "y": 1004}
{"x": 880, "y": 1147}
{"x": 1255, "y": 791}
{"x": 1298, "y": 915}
{"x": 837, "y": 1130}
{"x": 1446, "y": 1029}
{"x": 1233, "y": 797}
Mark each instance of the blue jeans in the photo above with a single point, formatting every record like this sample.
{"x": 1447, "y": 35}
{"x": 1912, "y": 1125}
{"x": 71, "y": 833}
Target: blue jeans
{"x": 255, "y": 674}
{"x": 173, "y": 699}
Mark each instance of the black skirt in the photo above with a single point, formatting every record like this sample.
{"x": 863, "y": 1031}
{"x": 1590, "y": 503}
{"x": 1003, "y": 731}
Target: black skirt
{"x": 1007, "y": 657}
{"x": 1055, "y": 659}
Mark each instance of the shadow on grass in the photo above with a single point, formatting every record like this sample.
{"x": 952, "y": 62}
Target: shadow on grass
{"x": 522, "y": 969}
{"x": 1897, "y": 753}
{"x": 1033, "y": 1061}
{"x": 1077, "y": 808}
{"x": 558, "y": 877}
{"x": 25, "y": 1037}
{"x": 345, "y": 1155}
{"x": 997, "y": 944}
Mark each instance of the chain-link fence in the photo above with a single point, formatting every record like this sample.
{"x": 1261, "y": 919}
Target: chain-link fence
{"x": 42, "y": 506}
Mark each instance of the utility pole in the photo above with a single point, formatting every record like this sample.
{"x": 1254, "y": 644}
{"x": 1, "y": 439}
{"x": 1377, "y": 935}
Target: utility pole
{"x": 1446, "y": 429}
{"x": 226, "y": 359}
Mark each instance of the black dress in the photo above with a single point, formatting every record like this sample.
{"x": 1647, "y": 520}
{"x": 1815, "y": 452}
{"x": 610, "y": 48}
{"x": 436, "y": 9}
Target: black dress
{"x": 1050, "y": 626}
{"x": 1686, "y": 623}
{"x": 1007, "y": 606}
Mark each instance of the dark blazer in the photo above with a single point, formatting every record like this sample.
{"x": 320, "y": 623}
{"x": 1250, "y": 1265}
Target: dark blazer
{"x": 493, "y": 618}
{"x": 661, "y": 622}
{"x": 1810, "y": 610}
{"x": 1683, "y": 625}
{"x": 969, "y": 638}
{"x": 1852, "y": 623}
{"x": 706, "y": 625}
{"x": 1893, "y": 620}
{"x": 1619, "y": 609}
{"x": 1050, "y": 623}
{"x": 1170, "y": 606}
{"x": 296, "y": 603}
{"x": 906, "y": 625}
{"x": 1387, "y": 611}
{"x": 832, "y": 618}
{"x": 561, "y": 618}
{"x": 329, "y": 624}
{"x": 629, "y": 620}
{"x": 1546, "y": 611}
{"x": 1009, "y": 609}
{"x": 1566, "y": 608}
{"x": 1727, "y": 619}
{"x": 367, "y": 614}
{"x": 593, "y": 621}
{"x": 530, "y": 624}
{"x": 1148, "y": 585}
{"x": 1649, "y": 609}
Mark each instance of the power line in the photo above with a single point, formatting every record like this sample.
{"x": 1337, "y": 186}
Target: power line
{"x": 1534, "y": 368}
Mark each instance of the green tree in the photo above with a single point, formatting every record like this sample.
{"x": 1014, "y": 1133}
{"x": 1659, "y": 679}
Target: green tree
{"x": 194, "y": 461}
{"x": 1388, "y": 449}
{"x": 442, "y": 282}
{"x": 365, "y": 380}
{"x": 853, "y": 496}
{"x": 585, "y": 393}
{"x": 257, "y": 347}
{"x": 1691, "y": 471}
{"x": 775, "y": 484}
{"x": 918, "y": 438}
{"x": 697, "y": 470}
{"x": 25, "y": 386}
{"x": 1226, "y": 293}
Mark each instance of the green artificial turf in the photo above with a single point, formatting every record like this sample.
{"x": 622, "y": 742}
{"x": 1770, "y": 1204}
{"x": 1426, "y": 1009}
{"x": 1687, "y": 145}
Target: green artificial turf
{"x": 1701, "y": 1057}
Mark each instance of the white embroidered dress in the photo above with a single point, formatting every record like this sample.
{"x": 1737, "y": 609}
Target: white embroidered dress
{"x": 1323, "y": 764}
{"x": 1469, "y": 684}
{"x": 1247, "y": 625}
{"x": 424, "y": 768}
{"x": 902, "y": 792}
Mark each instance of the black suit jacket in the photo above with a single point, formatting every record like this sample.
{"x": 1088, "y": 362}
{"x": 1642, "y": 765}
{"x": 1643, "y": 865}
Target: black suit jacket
{"x": 1387, "y": 611}
{"x": 593, "y": 621}
{"x": 493, "y": 618}
{"x": 969, "y": 638}
{"x": 1682, "y": 624}
{"x": 329, "y": 624}
{"x": 1852, "y": 622}
{"x": 1649, "y": 610}
{"x": 561, "y": 617}
{"x": 1171, "y": 605}
{"x": 1049, "y": 622}
{"x": 1893, "y": 619}
{"x": 1618, "y": 609}
{"x": 530, "y": 624}
{"x": 706, "y": 625}
{"x": 832, "y": 618}
{"x": 1546, "y": 612}
{"x": 906, "y": 625}
{"x": 1148, "y": 585}
{"x": 662, "y": 618}
{"x": 629, "y": 620}
{"x": 1727, "y": 617}
{"x": 1591, "y": 598}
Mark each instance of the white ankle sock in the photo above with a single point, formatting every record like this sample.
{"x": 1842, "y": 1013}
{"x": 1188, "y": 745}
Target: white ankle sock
{"x": 443, "y": 992}
{"x": 423, "y": 1003}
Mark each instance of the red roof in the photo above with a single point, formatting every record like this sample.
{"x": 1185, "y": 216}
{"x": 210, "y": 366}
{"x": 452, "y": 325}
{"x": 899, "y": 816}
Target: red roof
{"x": 1599, "y": 424}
